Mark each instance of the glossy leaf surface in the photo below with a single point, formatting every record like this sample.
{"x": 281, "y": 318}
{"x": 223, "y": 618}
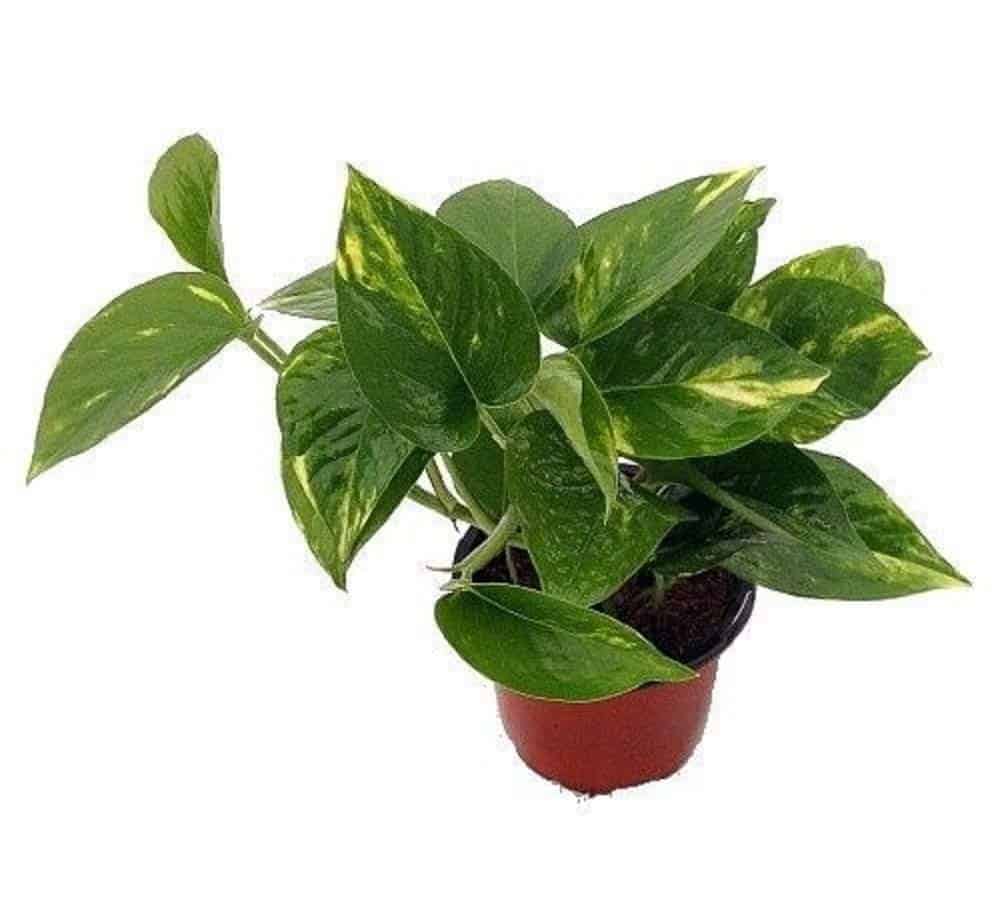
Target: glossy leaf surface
{"x": 312, "y": 296}
{"x": 184, "y": 201}
{"x": 582, "y": 553}
{"x": 541, "y": 646}
{"x": 566, "y": 390}
{"x": 345, "y": 470}
{"x": 129, "y": 356}
{"x": 812, "y": 545}
{"x": 823, "y": 306}
{"x": 631, "y": 256}
{"x": 534, "y": 241}
{"x": 433, "y": 327}
{"x": 683, "y": 380}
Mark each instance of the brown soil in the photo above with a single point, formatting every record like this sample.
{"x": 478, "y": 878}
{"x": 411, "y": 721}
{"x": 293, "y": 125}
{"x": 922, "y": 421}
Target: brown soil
{"x": 685, "y": 621}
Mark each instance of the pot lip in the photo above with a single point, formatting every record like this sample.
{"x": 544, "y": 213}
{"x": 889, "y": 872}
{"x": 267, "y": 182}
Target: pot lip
{"x": 735, "y": 624}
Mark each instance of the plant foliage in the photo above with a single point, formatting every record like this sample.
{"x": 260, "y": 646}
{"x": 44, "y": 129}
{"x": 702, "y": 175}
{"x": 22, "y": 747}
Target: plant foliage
{"x": 430, "y": 355}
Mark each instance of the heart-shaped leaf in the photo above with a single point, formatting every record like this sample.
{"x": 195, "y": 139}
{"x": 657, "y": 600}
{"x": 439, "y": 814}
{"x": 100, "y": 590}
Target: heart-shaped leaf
{"x": 184, "y": 201}
{"x": 345, "y": 470}
{"x": 582, "y": 552}
{"x": 312, "y": 296}
{"x": 823, "y": 306}
{"x": 433, "y": 327}
{"x": 534, "y": 241}
{"x": 631, "y": 256}
{"x": 541, "y": 646}
{"x": 129, "y": 356}
{"x": 683, "y": 380}
{"x": 566, "y": 390}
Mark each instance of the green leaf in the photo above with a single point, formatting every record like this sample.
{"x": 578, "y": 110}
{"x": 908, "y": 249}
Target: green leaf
{"x": 312, "y": 296}
{"x": 433, "y": 327}
{"x": 184, "y": 201}
{"x": 480, "y": 470}
{"x": 345, "y": 470}
{"x": 823, "y": 306}
{"x": 725, "y": 273}
{"x": 534, "y": 241}
{"x": 540, "y": 646}
{"x": 811, "y": 544}
{"x": 684, "y": 380}
{"x": 631, "y": 256}
{"x": 908, "y": 559}
{"x": 582, "y": 553}
{"x": 129, "y": 356}
{"x": 566, "y": 390}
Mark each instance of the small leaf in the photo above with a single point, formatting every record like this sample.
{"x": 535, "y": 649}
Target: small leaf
{"x": 537, "y": 645}
{"x": 433, "y": 327}
{"x": 312, "y": 296}
{"x": 184, "y": 201}
{"x": 910, "y": 561}
{"x": 129, "y": 356}
{"x": 684, "y": 380}
{"x": 631, "y": 256}
{"x": 345, "y": 470}
{"x": 823, "y": 306}
{"x": 566, "y": 390}
{"x": 725, "y": 273}
{"x": 582, "y": 553}
{"x": 534, "y": 241}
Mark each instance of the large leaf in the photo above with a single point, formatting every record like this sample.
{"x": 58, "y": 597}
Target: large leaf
{"x": 810, "y": 545}
{"x": 129, "y": 356}
{"x": 184, "y": 200}
{"x": 825, "y": 306}
{"x": 566, "y": 390}
{"x": 725, "y": 273}
{"x": 312, "y": 296}
{"x": 907, "y": 557}
{"x": 581, "y": 552}
{"x": 533, "y": 240}
{"x": 631, "y": 256}
{"x": 541, "y": 646}
{"x": 433, "y": 327}
{"x": 683, "y": 380}
{"x": 345, "y": 470}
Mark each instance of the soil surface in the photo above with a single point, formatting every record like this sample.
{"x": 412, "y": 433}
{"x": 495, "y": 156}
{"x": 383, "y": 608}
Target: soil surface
{"x": 685, "y": 621}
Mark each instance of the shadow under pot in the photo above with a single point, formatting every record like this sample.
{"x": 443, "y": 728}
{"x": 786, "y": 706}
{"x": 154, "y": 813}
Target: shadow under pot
{"x": 650, "y": 732}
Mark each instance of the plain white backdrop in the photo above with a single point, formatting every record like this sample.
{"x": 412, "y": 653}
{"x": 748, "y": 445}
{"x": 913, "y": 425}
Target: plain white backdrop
{"x": 191, "y": 716}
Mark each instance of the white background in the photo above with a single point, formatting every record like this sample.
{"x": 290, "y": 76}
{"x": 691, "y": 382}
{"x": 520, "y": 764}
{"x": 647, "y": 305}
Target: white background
{"x": 192, "y": 717}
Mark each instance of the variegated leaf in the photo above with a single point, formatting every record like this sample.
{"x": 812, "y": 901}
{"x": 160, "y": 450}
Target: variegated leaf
{"x": 312, "y": 296}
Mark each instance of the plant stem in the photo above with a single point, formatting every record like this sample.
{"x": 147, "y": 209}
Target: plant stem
{"x": 482, "y": 517}
{"x": 427, "y": 499}
{"x": 266, "y": 348}
{"x": 493, "y": 427}
{"x": 491, "y": 547}
{"x": 441, "y": 490}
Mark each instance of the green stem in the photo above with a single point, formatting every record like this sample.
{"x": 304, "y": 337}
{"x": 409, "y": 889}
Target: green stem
{"x": 490, "y": 548}
{"x": 482, "y": 517}
{"x": 489, "y": 422}
{"x": 441, "y": 490}
{"x": 427, "y": 499}
{"x": 266, "y": 348}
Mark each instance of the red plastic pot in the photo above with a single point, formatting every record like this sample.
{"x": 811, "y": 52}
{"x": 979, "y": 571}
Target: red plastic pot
{"x": 640, "y": 736}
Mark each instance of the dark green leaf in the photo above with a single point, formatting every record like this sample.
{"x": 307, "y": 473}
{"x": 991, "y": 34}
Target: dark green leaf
{"x": 534, "y": 241}
{"x": 433, "y": 327}
{"x": 345, "y": 470}
{"x": 682, "y": 380}
{"x": 184, "y": 201}
{"x": 910, "y": 563}
{"x": 312, "y": 296}
{"x": 725, "y": 273}
{"x": 823, "y": 306}
{"x": 582, "y": 554}
{"x": 566, "y": 390}
{"x": 631, "y": 256}
{"x": 129, "y": 356}
{"x": 540, "y": 646}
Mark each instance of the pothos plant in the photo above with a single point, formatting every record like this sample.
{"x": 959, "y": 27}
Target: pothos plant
{"x": 430, "y": 358}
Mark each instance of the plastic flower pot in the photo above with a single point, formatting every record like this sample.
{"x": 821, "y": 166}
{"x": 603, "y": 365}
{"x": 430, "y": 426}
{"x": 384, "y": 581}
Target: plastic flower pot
{"x": 640, "y": 736}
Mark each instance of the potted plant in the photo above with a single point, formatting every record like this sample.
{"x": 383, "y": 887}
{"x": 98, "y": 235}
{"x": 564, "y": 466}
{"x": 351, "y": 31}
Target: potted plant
{"x": 623, "y": 495}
